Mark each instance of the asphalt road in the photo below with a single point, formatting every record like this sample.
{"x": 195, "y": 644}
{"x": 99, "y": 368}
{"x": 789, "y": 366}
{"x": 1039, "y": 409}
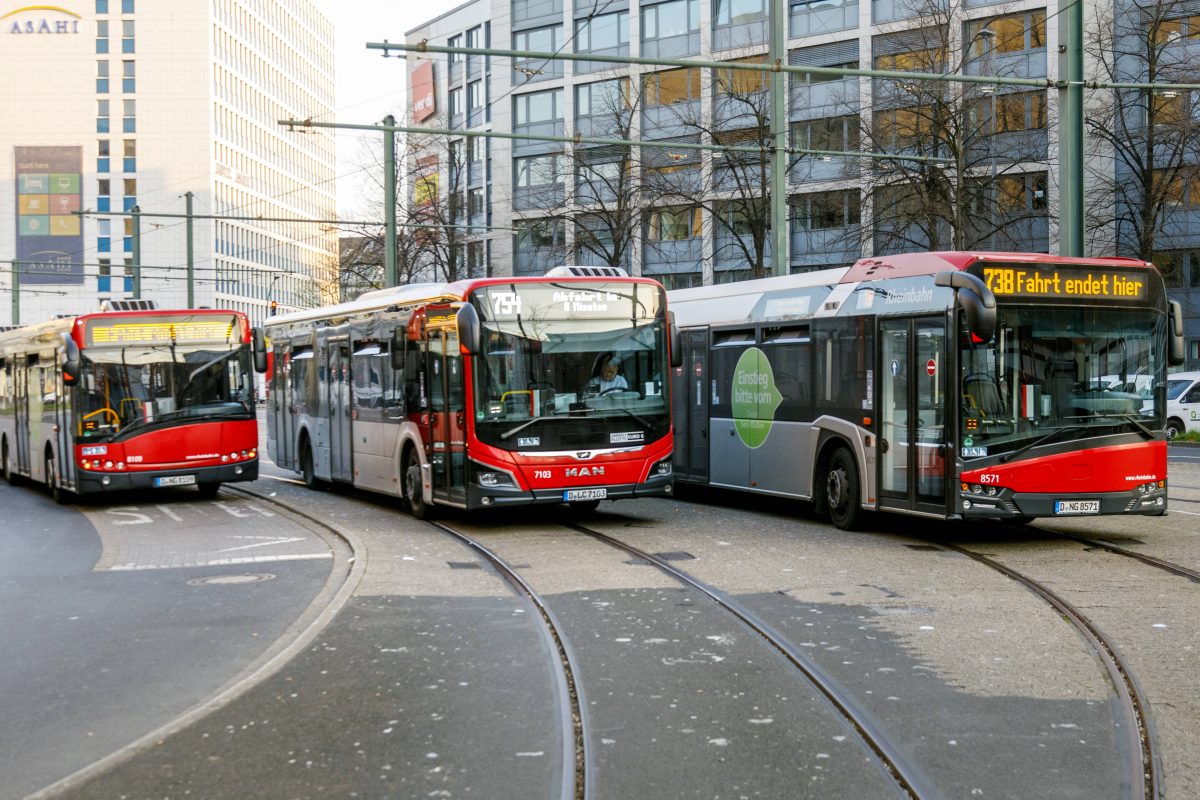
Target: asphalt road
{"x": 118, "y": 617}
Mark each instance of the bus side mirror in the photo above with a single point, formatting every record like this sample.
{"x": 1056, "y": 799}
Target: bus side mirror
{"x": 397, "y": 349}
{"x": 975, "y": 298}
{"x": 675, "y": 342}
{"x": 72, "y": 363}
{"x": 470, "y": 331}
{"x": 259, "y": 338}
{"x": 1176, "y": 354}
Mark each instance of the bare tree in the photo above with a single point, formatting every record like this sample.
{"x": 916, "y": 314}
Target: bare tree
{"x": 984, "y": 185}
{"x": 1144, "y": 143}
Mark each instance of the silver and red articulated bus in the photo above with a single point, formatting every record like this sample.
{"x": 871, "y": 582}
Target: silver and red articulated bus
{"x": 133, "y": 399}
{"x": 481, "y": 393}
{"x": 951, "y": 385}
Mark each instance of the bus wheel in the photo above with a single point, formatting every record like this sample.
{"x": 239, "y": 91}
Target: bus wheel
{"x": 841, "y": 491}
{"x": 412, "y": 486}
{"x": 10, "y": 474}
{"x": 208, "y": 490}
{"x": 308, "y": 471}
{"x": 584, "y": 507}
{"x": 57, "y": 493}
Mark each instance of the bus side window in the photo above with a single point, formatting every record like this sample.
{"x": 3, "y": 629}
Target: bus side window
{"x": 414, "y": 377}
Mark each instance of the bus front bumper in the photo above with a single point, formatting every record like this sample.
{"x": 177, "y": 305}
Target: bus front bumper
{"x": 1018, "y": 505}
{"x": 92, "y": 481}
{"x": 494, "y": 497}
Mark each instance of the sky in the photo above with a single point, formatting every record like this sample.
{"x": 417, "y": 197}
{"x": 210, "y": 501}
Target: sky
{"x": 369, "y": 86}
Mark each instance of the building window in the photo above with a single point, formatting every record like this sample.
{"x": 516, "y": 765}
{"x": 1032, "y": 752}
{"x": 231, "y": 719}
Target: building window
{"x": 1013, "y": 34}
{"x": 474, "y": 95}
{"x": 473, "y": 37}
{"x": 673, "y": 224}
{"x": 101, "y": 6}
{"x": 531, "y": 109}
{"x": 102, "y": 77}
{"x": 101, "y": 36}
{"x": 130, "y": 159}
{"x": 477, "y": 149}
{"x": 827, "y": 210}
{"x": 126, "y": 6}
{"x": 603, "y": 98}
{"x": 454, "y": 41}
{"x": 128, "y": 75}
{"x": 538, "y": 171}
{"x": 102, "y": 153}
{"x": 130, "y": 187}
{"x": 829, "y": 133}
{"x": 672, "y": 86}
{"x": 604, "y": 32}
{"x": 538, "y": 40}
{"x": 475, "y": 202}
{"x": 129, "y": 121}
{"x": 677, "y": 18}
{"x": 456, "y": 102}
{"x": 127, "y": 30}
{"x": 738, "y": 12}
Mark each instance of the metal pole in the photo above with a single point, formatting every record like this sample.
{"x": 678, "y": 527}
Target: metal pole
{"x": 389, "y": 199}
{"x": 16, "y": 292}
{"x": 1070, "y": 130}
{"x": 137, "y": 253}
{"x": 191, "y": 261}
{"x": 779, "y": 80}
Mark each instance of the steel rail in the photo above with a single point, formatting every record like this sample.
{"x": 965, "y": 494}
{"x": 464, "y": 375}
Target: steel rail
{"x": 1139, "y": 739}
{"x": 575, "y": 759}
{"x": 1158, "y": 563}
{"x": 907, "y": 776}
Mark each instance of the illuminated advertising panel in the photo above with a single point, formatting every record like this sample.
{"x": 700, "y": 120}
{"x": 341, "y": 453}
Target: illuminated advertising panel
{"x": 1066, "y": 282}
{"x": 49, "y": 232}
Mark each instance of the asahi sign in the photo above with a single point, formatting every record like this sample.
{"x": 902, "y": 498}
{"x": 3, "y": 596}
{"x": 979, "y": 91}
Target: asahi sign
{"x": 40, "y": 20}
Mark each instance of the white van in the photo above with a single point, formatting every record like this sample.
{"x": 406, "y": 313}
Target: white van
{"x": 1183, "y": 403}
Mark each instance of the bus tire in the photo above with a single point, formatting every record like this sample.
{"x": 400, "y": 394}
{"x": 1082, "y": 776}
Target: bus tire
{"x": 57, "y": 493}
{"x": 208, "y": 490}
{"x": 307, "y": 470}
{"x": 841, "y": 491}
{"x": 584, "y": 507}
{"x": 414, "y": 498}
{"x": 1174, "y": 427}
{"x": 10, "y": 474}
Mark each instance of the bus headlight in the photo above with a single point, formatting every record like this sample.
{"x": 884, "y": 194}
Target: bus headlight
{"x": 493, "y": 479}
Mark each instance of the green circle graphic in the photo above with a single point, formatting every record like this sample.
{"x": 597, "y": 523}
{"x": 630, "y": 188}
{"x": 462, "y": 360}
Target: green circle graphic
{"x": 754, "y": 397}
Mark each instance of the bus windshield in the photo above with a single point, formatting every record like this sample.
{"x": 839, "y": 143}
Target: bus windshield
{"x": 1060, "y": 371}
{"x": 571, "y": 365}
{"x": 122, "y": 389}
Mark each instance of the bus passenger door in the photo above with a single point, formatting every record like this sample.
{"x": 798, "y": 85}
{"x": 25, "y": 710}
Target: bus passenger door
{"x": 340, "y": 461}
{"x": 447, "y": 417}
{"x": 21, "y": 373}
{"x": 690, "y": 402}
{"x": 912, "y": 401}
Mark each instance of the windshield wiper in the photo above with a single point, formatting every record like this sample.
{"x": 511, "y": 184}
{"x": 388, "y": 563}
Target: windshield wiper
{"x": 1132, "y": 420}
{"x": 1004, "y": 459}
{"x": 523, "y": 426}
{"x": 646, "y": 425}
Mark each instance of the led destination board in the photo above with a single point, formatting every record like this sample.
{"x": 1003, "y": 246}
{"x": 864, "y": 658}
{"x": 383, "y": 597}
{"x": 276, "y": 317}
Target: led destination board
{"x": 151, "y": 331}
{"x": 1065, "y": 282}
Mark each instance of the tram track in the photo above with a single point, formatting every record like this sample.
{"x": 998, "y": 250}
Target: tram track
{"x": 576, "y": 768}
{"x": 908, "y": 778}
{"x": 1139, "y": 745}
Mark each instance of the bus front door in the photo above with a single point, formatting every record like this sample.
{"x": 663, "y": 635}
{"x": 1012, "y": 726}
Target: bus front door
{"x": 340, "y": 461}
{"x": 21, "y": 386}
{"x": 912, "y": 401}
{"x": 689, "y": 397}
{"x": 447, "y": 418}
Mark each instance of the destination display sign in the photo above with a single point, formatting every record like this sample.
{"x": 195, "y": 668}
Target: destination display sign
{"x": 576, "y": 300}
{"x": 161, "y": 331}
{"x": 1056, "y": 281}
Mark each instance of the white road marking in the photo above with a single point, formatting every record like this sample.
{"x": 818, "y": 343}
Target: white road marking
{"x": 166, "y": 510}
{"x": 263, "y": 544}
{"x": 132, "y": 516}
{"x": 221, "y": 562}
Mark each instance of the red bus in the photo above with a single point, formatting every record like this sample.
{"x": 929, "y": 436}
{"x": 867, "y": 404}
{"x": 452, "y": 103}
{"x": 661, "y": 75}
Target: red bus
{"x": 131, "y": 399}
{"x": 950, "y": 385}
{"x": 480, "y": 393}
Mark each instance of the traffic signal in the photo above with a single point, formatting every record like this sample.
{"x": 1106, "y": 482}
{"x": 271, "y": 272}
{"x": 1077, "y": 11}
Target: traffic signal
{"x": 274, "y": 307}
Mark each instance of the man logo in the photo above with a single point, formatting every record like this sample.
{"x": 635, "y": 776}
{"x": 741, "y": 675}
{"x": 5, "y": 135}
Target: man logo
{"x": 583, "y": 455}
{"x": 584, "y": 472}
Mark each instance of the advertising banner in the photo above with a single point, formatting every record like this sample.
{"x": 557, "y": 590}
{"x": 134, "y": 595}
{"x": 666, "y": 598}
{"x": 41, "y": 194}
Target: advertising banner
{"x": 49, "y": 233}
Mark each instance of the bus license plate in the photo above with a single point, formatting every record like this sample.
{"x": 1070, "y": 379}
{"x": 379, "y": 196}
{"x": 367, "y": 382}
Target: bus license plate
{"x": 1076, "y": 506}
{"x": 584, "y": 494}
{"x": 175, "y": 480}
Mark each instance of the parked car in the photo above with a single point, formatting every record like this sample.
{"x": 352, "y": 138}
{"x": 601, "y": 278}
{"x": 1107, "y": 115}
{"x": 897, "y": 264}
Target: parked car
{"x": 1183, "y": 403}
